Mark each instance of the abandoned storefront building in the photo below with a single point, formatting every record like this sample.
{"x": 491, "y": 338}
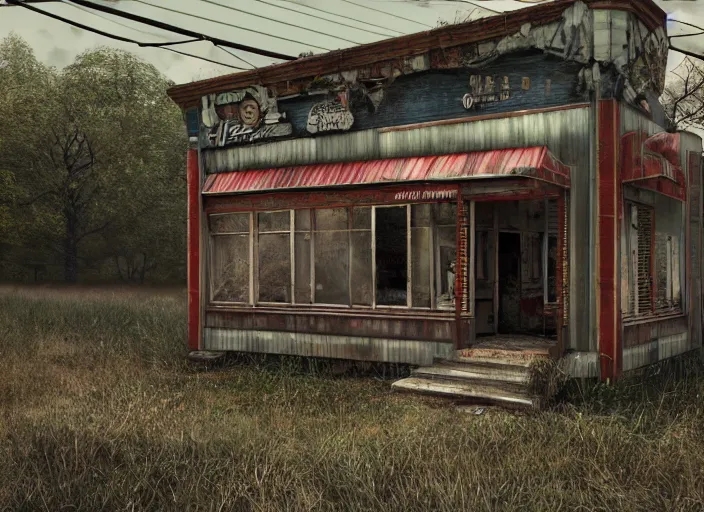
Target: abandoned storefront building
{"x": 503, "y": 187}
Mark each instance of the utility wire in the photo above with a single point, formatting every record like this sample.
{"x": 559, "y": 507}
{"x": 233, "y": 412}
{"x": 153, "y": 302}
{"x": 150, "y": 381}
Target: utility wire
{"x": 111, "y": 20}
{"x": 279, "y": 21}
{"x": 387, "y": 13}
{"x": 164, "y": 46}
{"x": 345, "y": 17}
{"x": 235, "y": 55}
{"x": 324, "y": 19}
{"x": 176, "y": 30}
{"x": 228, "y": 24}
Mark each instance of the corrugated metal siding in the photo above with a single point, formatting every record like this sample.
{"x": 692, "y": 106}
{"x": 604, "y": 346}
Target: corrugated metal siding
{"x": 529, "y": 162}
{"x": 690, "y": 145}
{"x": 656, "y": 350}
{"x": 565, "y": 132}
{"x": 563, "y": 128}
{"x": 328, "y": 346}
{"x": 633, "y": 120}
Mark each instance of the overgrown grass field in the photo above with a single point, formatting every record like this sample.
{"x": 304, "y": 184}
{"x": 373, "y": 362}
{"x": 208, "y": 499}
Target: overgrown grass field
{"x": 100, "y": 411}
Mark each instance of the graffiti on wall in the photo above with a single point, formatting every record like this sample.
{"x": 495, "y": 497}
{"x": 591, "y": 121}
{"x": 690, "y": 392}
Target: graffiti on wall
{"x": 243, "y": 116}
{"x": 329, "y": 116}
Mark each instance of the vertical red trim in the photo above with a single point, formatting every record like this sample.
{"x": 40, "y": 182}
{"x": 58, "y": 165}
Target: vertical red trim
{"x": 193, "y": 264}
{"x": 653, "y": 278}
{"x": 608, "y": 226}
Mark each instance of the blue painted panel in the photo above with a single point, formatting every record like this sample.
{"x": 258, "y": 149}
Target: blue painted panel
{"x": 437, "y": 95}
{"x": 192, "y": 122}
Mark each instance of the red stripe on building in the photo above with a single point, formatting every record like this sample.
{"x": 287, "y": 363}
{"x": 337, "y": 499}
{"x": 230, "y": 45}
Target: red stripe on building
{"x": 193, "y": 264}
{"x": 610, "y": 210}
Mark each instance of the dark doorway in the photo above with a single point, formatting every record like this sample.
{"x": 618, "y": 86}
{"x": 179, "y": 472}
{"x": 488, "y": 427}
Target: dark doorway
{"x": 509, "y": 283}
{"x": 391, "y": 256}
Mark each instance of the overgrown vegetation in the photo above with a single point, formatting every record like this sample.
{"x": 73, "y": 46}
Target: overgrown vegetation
{"x": 92, "y": 170}
{"x": 100, "y": 411}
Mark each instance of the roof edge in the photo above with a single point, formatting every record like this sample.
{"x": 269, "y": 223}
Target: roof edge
{"x": 187, "y": 95}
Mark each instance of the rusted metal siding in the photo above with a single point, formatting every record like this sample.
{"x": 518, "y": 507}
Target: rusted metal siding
{"x": 404, "y": 326}
{"x": 691, "y": 156}
{"x": 556, "y": 129}
{"x": 532, "y": 162}
{"x": 565, "y": 132}
{"x": 645, "y": 332}
{"x": 328, "y": 346}
{"x": 656, "y": 350}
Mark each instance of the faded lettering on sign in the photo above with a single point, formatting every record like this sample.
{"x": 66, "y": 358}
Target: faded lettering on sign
{"x": 424, "y": 195}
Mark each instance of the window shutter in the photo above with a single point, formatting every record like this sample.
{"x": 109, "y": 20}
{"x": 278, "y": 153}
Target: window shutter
{"x": 645, "y": 237}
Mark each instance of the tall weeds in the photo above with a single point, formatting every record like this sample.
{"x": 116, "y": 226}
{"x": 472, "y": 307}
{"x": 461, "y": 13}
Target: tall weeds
{"x": 99, "y": 411}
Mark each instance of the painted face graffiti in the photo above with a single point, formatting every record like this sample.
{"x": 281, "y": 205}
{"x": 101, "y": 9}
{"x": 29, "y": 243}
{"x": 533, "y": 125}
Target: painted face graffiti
{"x": 250, "y": 113}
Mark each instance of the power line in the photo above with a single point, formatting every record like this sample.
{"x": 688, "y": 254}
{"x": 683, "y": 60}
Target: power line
{"x": 324, "y": 19}
{"x": 345, "y": 17}
{"x": 229, "y": 24}
{"x": 387, "y": 13}
{"x": 281, "y": 22}
{"x": 111, "y": 20}
{"x": 68, "y": 2}
{"x": 163, "y": 46}
{"x": 235, "y": 55}
{"x": 176, "y": 30}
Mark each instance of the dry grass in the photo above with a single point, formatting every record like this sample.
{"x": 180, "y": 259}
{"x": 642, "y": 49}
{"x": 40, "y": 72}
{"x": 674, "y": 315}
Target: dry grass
{"x": 98, "y": 411}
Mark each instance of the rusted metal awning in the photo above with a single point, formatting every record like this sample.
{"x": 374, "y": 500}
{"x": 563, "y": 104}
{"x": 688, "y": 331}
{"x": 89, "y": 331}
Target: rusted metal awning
{"x": 534, "y": 163}
{"x": 653, "y": 163}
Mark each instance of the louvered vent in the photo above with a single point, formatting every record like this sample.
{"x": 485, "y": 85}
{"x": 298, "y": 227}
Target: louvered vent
{"x": 645, "y": 238}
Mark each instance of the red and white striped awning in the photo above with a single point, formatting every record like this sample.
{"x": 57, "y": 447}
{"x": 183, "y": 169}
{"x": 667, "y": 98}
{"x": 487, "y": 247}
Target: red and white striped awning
{"x": 532, "y": 162}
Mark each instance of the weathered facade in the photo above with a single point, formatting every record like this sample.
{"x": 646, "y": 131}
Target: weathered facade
{"x": 405, "y": 200}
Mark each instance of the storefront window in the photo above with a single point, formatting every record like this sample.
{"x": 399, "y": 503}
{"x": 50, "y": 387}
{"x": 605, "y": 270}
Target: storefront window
{"x": 391, "y": 256}
{"x": 230, "y": 257}
{"x": 445, "y": 219}
{"x": 332, "y": 249}
{"x": 421, "y": 255}
{"x": 303, "y": 240}
{"x": 274, "y": 251}
{"x": 361, "y": 257}
{"x": 355, "y": 257}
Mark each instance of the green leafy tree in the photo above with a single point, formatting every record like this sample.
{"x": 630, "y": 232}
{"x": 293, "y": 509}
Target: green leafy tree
{"x": 97, "y": 151}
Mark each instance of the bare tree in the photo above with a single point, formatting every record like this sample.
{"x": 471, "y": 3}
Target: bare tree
{"x": 683, "y": 97}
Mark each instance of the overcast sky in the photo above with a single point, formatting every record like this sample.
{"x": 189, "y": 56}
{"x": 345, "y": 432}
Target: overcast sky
{"x": 58, "y": 44}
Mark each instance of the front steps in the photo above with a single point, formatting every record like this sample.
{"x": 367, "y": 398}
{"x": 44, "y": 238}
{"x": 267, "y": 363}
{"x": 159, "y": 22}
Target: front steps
{"x": 491, "y": 375}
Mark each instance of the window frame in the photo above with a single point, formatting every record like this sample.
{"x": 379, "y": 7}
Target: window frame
{"x": 253, "y": 251}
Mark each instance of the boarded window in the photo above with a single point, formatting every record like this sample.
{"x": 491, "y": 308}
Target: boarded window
{"x": 391, "y": 256}
{"x": 229, "y": 272}
{"x": 640, "y": 237}
{"x": 274, "y": 251}
{"x": 332, "y": 256}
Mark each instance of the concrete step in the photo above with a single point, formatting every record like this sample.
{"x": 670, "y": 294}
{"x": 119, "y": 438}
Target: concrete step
{"x": 513, "y": 375}
{"x": 499, "y": 357}
{"x": 464, "y": 389}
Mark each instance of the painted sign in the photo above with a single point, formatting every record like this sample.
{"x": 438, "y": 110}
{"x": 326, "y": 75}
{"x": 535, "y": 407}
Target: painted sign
{"x": 243, "y": 116}
{"x": 420, "y": 195}
{"x": 483, "y": 89}
{"x": 330, "y": 116}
